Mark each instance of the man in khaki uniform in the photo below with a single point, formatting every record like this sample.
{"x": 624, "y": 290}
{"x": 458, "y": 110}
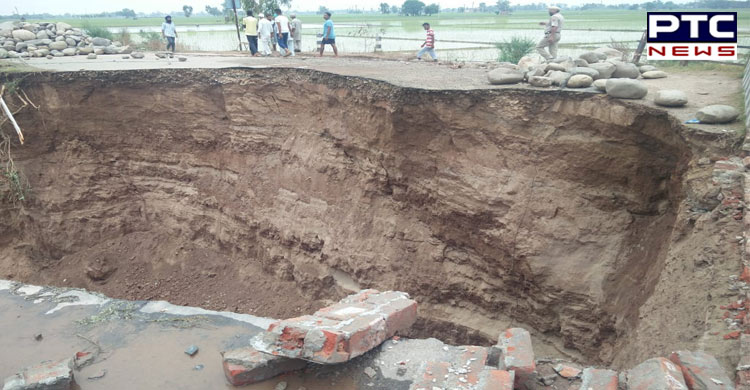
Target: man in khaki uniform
{"x": 551, "y": 34}
{"x": 296, "y": 33}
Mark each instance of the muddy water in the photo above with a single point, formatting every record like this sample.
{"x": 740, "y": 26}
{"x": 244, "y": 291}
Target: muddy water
{"x": 137, "y": 353}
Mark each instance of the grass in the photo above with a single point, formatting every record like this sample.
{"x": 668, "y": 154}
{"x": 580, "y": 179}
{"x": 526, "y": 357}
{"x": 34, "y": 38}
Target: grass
{"x": 96, "y": 31}
{"x": 513, "y": 50}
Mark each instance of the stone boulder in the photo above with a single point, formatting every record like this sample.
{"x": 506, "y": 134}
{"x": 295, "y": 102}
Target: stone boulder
{"x": 654, "y": 74}
{"x": 538, "y": 71}
{"x": 58, "y": 45}
{"x": 101, "y": 41}
{"x": 70, "y": 41}
{"x": 553, "y": 66}
{"x": 610, "y": 53}
{"x": 58, "y": 54}
{"x": 62, "y": 26}
{"x": 42, "y": 34}
{"x": 625, "y": 88}
{"x": 110, "y": 50}
{"x": 581, "y": 62}
{"x": 625, "y": 70}
{"x": 593, "y": 73}
{"x": 580, "y": 81}
{"x": 646, "y": 68}
{"x": 91, "y": 56}
{"x": 71, "y": 51}
{"x": 526, "y": 63}
{"x": 558, "y": 78}
{"x": 504, "y": 76}
{"x": 85, "y": 50}
{"x": 717, "y": 113}
{"x": 137, "y": 55}
{"x": 600, "y": 84}
{"x": 670, "y": 98}
{"x": 605, "y": 69}
{"x": 20, "y": 46}
{"x": 3, "y": 53}
{"x": 23, "y": 35}
{"x": 593, "y": 56}
{"x": 540, "y": 81}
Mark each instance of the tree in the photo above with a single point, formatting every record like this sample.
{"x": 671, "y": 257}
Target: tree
{"x": 432, "y": 9}
{"x": 214, "y": 11}
{"x": 396, "y": 10}
{"x": 482, "y": 7}
{"x": 503, "y": 6}
{"x": 412, "y": 7}
{"x": 128, "y": 13}
{"x": 188, "y": 10}
{"x": 322, "y": 9}
{"x": 384, "y": 8}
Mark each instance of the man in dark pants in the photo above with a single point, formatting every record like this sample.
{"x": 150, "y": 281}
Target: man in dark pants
{"x": 251, "y": 31}
{"x": 169, "y": 32}
{"x": 329, "y": 37}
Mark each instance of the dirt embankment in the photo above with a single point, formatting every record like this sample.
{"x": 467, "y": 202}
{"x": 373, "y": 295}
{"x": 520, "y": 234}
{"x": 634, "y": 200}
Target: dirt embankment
{"x": 272, "y": 191}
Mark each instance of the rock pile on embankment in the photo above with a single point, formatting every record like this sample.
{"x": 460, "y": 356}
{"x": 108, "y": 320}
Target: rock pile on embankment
{"x": 21, "y": 39}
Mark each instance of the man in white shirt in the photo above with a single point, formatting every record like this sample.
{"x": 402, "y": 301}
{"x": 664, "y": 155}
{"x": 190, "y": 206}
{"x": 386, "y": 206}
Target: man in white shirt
{"x": 284, "y": 28}
{"x": 169, "y": 32}
{"x": 265, "y": 30}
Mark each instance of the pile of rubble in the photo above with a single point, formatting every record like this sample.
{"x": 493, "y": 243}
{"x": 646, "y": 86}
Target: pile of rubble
{"x": 21, "y": 39}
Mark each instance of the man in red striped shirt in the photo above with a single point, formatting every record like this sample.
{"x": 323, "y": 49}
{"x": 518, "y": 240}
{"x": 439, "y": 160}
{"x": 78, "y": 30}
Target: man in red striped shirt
{"x": 429, "y": 43}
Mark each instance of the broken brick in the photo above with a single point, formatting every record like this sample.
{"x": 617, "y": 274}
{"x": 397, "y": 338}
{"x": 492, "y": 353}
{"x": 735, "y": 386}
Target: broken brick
{"x": 656, "y": 374}
{"x": 434, "y": 374}
{"x": 745, "y": 275}
{"x": 566, "y": 371}
{"x": 701, "y": 370}
{"x": 732, "y": 335}
{"x": 56, "y": 375}
{"x": 337, "y": 333}
{"x": 595, "y": 379}
{"x": 246, "y": 365}
{"x": 496, "y": 380}
{"x": 517, "y": 352}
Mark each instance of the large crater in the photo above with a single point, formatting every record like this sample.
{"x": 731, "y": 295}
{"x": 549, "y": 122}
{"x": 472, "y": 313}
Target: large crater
{"x": 272, "y": 191}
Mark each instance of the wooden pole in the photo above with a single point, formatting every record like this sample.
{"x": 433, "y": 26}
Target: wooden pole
{"x": 237, "y": 22}
{"x": 639, "y": 50}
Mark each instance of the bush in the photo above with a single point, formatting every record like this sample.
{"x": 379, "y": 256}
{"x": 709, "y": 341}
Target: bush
{"x": 124, "y": 37}
{"x": 97, "y": 31}
{"x": 513, "y": 50}
{"x": 150, "y": 40}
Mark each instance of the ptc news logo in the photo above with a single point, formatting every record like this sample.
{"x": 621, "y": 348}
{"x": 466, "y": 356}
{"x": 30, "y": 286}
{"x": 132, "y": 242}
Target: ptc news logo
{"x": 692, "y": 36}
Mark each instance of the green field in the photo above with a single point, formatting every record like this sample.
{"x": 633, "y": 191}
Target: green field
{"x": 603, "y": 20}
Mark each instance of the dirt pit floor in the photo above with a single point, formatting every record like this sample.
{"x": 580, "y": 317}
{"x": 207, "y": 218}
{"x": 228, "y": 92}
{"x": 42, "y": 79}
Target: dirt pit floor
{"x": 273, "y": 192}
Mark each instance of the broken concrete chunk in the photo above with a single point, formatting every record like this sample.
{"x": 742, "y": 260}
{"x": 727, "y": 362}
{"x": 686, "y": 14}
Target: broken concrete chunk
{"x": 595, "y": 379}
{"x": 246, "y": 365}
{"x": 701, "y": 371}
{"x": 656, "y": 374}
{"x": 56, "y": 375}
{"x": 342, "y": 331}
{"x": 517, "y": 352}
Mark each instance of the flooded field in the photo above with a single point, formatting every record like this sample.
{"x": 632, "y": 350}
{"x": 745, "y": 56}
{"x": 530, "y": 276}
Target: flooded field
{"x": 464, "y": 37}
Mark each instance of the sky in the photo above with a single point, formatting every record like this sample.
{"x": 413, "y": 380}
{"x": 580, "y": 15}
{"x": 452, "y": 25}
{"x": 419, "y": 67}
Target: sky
{"x": 8, "y": 7}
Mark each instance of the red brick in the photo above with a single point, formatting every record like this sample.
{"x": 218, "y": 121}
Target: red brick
{"x": 701, "y": 370}
{"x": 496, "y": 380}
{"x": 47, "y": 375}
{"x": 364, "y": 333}
{"x": 245, "y": 366}
{"x": 399, "y": 315}
{"x": 566, "y": 371}
{"x": 745, "y": 274}
{"x": 732, "y": 335}
{"x": 595, "y": 379}
{"x": 517, "y": 353}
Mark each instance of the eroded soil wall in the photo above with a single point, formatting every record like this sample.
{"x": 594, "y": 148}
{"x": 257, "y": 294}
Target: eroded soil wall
{"x": 272, "y": 191}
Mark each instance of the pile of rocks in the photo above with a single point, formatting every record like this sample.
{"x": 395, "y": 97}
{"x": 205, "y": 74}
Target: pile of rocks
{"x": 46, "y": 39}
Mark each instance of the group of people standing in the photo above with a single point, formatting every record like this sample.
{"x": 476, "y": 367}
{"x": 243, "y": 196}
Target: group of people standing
{"x": 275, "y": 30}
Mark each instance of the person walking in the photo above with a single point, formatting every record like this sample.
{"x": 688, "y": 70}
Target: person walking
{"x": 265, "y": 30}
{"x": 551, "y": 34}
{"x": 251, "y": 32}
{"x": 329, "y": 37}
{"x": 296, "y": 33}
{"x": 429, "y": 43}
{"x": 169, "y": 32}
{"x": 284, "y": 27}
